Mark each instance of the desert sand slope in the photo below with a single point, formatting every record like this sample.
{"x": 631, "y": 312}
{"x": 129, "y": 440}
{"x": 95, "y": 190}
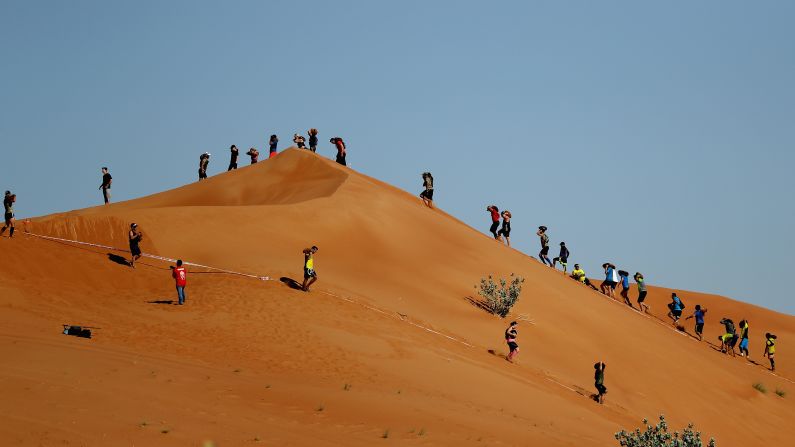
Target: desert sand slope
{"x": 387, "y": 348}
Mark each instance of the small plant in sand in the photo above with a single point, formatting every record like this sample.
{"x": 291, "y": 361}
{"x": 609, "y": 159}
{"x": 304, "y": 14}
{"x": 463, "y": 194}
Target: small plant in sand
{"x": 658, "y": 436}
{"x": 499, "y": 299}
{"x": 386, "y": 434}
{"x": 759, "y": 386}
{"x": 780, "y": 392}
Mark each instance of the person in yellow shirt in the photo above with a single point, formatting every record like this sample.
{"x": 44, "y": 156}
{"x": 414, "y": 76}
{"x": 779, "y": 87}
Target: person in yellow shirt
{"x": 579, "y": 275}
{"x": 310, "y": 276}
{"x": 770, "y": 350}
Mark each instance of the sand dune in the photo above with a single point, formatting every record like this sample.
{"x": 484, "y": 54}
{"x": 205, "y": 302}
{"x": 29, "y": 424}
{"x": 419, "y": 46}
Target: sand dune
{"x": 387, "y": 348}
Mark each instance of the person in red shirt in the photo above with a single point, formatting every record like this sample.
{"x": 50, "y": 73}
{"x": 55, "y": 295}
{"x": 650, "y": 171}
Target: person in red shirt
{"x": 341, "y": 152}
{"x": 495, "y": 220}
{"x": 180, "y": 275}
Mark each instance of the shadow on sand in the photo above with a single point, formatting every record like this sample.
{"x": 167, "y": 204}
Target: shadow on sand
{"x": 161, "y": 302}
{"x": 291, "y": 283}
{"x": 118, "y": 259}
{"x": 480, "y": 304}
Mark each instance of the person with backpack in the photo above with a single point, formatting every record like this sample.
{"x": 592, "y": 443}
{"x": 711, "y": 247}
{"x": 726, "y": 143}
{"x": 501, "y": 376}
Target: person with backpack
{"x": 135, "y": 237}
{"x": 599, "y": 381}
{"x": 233, "y": 153}
{"x": 727, "y": 339}
{"x": 495, "y": 220}
{"x": 623, "y": 278}
{"x": 107, "y": 180}
{"x": 563, "y": 257}
{"x": 579, "y": 275}
{"x": 608, "y": 286}
{"x": 543, "y": 254}
{"x": 341, "y": 150}
{"x": 272, "y": 143}
{"x": 8, "y": 206}
{"x": 254, "y": 154}
{"x": 641, "y": 282}
{"x": 676, "y": 306}
{"x": 312, "y": 139}
{"x": 180, "y": 276}
{"x": 299, "y": 141}
{"x": 698, "y": 314}
{"x": 204, "y": 160}
{"x": 310, "y": 276}
{"x": 744, "y": 338}
{"x": 510, "y": 337}
{"x": 770, "y": 350}
{"x": 427, "y": 194}
{"x": 505, "y": 231}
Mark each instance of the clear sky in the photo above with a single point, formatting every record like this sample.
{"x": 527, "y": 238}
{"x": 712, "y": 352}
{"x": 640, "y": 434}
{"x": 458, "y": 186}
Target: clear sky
{"x": 656, "y": 135}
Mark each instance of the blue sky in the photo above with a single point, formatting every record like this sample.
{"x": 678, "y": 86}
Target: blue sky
{"x": 656, "y": 135}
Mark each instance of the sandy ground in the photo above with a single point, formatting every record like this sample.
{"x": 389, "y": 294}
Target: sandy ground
{"x": 387, "y": 348}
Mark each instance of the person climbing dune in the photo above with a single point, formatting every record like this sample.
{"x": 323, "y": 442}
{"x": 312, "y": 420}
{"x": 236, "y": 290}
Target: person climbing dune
{"x": 505, "y": 231}
{"x": 641, "y": 282}
{"x": 495, "y": 220}
{"x": 273, "y": 142}
{"x": 254, "y": 154}
{"x": 299, "y": 141}
{"x": 427, "y": 194}
{"x": 233, "y": 153}
{"x": 562, "y": 258}
{"x": 608, "y": 286}
{"x": 8, "y": 206}
{"x": 770, "y": 350}
{"x": 543, "y": 254}
{"x": 699, "y": 314}
{"x": 135, "y": 237}
{"x": 623, "y": 276}
{"x": 599, "y": 381}
{"x": 312, "y": 139}
{"x": 510, "y": 337}
{"x": 342, "y": 151}
{"x": 204, "y": 160}
{"x": 728, "y": 338}
{"x": 744, "y": 338}
{"x": 310, "y": 276}
{"x": 675, "y": 308}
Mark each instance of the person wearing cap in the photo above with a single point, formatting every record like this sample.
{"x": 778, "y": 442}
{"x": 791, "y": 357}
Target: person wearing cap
{"x": 510, "y": 337}
{"x": 107, "y": 179}
{"x": 204, "y": 160}
{"x": 563, "y": 257}
{"x": 427, "y": 194}
{"x": 542, "y": 255}
{"x": 135, "y": 237}
{"x": 234, "y": 152}
{"x": 579, "y": 275}
{"x": 310, "y": 276}
{"x": 8, "y": 206}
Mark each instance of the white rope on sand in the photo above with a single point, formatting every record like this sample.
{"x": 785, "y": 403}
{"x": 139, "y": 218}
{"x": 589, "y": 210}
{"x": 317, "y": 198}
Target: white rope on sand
{"x": 249, "y": 275}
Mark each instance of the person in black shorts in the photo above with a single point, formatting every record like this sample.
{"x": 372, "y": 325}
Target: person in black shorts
{"x": 233, "y": 153}
{"x": 310, "y": 276}
{"x": 8, "y": 206}
{"x": 599, "y": 381}
{"x": 312, "y": 139}
{"x": 505, "y": 231}
{"x": 542, "y": 255}
{"x": 510, "y": 337}
{"x": 427, "y": 194}
{"x": 135, "y": 237}
{"x": 563, "y": 257}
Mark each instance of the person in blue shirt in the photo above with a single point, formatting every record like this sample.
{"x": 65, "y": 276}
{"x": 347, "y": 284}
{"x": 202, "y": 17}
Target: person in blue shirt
{"x": 676, "y": 307}
{"x": 698, "y": 314}
{"x": 608, "y": 287}
{"x": 624, "y": 279}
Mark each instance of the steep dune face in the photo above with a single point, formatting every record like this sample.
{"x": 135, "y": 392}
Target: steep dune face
{"x": 410, "y": 273}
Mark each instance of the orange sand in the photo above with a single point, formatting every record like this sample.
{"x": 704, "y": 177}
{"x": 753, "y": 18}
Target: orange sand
{"x": 250, "y": 360}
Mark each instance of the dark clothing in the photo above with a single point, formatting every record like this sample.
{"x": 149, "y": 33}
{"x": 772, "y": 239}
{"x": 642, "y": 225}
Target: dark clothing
{"x": 493, "y": 228}
{"x": 135, "y": 250}
{"x": 427, "y": 194}
{"x": 106, "y": 178}
{"x": 341, "y": 159}
{"x": 564, "y": 253}
{"x": 273, "y": 143}
{"x": 313, "y": 143}
{"x": 641, "y": 296}
{"x": 233, "y": 159}
{"x": 506, "y": 228}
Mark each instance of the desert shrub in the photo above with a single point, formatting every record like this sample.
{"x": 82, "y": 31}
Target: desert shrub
{"x": 760, "y": 387}
{"x": 500, "y": 298}
{"x": 658, "y": 436}
{"x": 780, "y": 392}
